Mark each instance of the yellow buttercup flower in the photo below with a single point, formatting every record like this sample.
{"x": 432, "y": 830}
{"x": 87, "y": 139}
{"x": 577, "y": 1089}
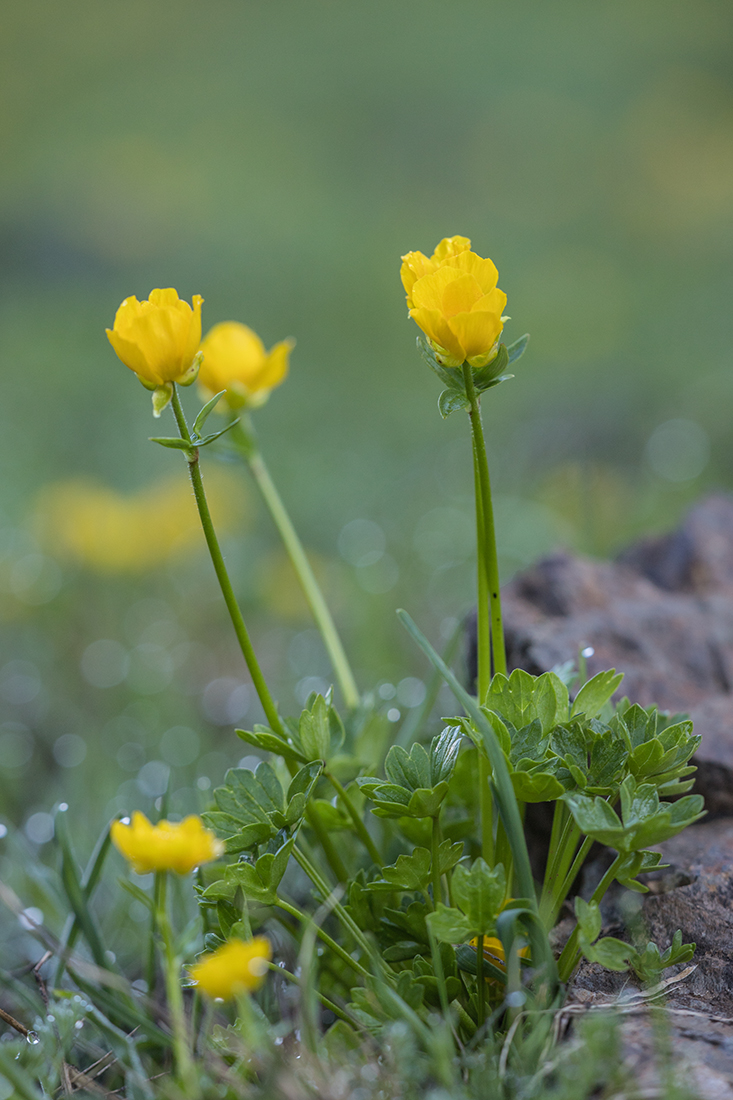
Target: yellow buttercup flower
{"x": 158, "y": 338}
{"x": 494, "y": 951}
{"x": 114, "y": 532}
{"x": 167, "y": 846}
{"x": 453, "y": 297}
{"x": 236, "y": 967}
{"x": 235, "y": 360}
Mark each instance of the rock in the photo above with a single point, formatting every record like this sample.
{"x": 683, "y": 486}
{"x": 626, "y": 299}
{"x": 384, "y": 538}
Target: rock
{"x": 693, "y": 894}
{"x": 662, "y": 614}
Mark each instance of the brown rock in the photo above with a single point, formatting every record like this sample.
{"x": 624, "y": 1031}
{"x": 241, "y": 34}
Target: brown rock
{"x": 662, "y": 614}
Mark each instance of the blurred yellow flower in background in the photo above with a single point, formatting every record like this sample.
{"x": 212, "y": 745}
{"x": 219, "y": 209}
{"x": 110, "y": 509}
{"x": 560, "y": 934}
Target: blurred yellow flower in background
{"x": 453, "y": 297}
{"x": 118, "y": 533}
{"x": 235, "y": 360}
{"x": 167, "y": 846}
{"x": 158, "y": 338}
{"x": 236, "y": 967}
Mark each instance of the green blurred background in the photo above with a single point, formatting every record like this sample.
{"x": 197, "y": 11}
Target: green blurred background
{"x": 278, "y": 158}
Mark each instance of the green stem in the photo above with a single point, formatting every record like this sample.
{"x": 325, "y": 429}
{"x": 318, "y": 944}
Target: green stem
{"x": 481, "y": 984}
{"x": 487, "y": 519}
{"x": 435, "y": 860}
{"x": 564, "y": 856}
{"x": 335, "y": 947}
{"x": 342, "y": 1015}
{"x": 359, "y": 826}
{"x": 338, "y": 910}
{"x": 217, "y": 558}
{"x": 570, "y": 955}
{"x": 333, "y": 858}
{"x": 174, "y": 995}
{"x": 246, "y": 443}
{"x": 483, "y": 651}
{"x": 569, "y": 879}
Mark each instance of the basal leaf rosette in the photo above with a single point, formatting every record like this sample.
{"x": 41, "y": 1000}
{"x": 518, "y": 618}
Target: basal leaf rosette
{"x": 454, "y": 298}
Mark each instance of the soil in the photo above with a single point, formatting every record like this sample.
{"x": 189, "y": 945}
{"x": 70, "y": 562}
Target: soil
{"x": 662, "y": 614}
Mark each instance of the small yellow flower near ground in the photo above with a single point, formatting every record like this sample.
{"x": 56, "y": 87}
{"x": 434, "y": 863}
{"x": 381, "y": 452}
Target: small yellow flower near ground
{"x": 167, "y": 846}
{"x": 235, "y": 360}
{"x": 236, "y": 967}
{"x": 158, "y": 338}
{"x": 453, "y": 297}
{"x": 494, "y": 952}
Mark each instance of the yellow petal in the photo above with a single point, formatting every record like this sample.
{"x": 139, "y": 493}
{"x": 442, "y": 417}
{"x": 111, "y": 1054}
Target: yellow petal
{"x": 131, "y": 356}
{"x": 434, "y": 325}
{"x": 236, "y": 967}
{"x": 476, "y": 332}
{"x": 493, "y": 302}
{"x": 276, "y": 365}
{"x": 484, "y": 271}
{"x": 414, "y": 266}
{"x": 451, "y": 246}
{"x": 428, "y": 292}
{"x": 461, "y": 295}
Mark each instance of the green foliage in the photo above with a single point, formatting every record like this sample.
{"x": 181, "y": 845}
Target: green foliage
{"x": 644, "y": 819}
{"x": 418, "y": 779}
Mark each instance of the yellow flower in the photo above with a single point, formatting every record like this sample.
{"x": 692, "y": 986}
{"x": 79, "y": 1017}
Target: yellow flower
{"x": 454, "y": 299}
{"x": 235, "y": 360}
{"x": 494, "y": 951}
{"x": 234, "y": 968}
{"x": 158, "y": 339}
{"x": 113, "y": 532}
{"x": 167, "y": 846}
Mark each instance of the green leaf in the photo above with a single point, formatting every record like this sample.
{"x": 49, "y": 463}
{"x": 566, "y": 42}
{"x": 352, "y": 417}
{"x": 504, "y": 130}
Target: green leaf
{"x": 260, "y": 882}
{"x": 315, "y": 731}
{"x": 536, "y": 786}
{"x": 528, "y": 743}
{"x": 205, "y": 412}
{"x": 330, "y": 816}
{"x": 172, "y": 442}
{"x": 449, "y": 376}
{"x": 426, "y": 802}
{"x": 593, "y": 695}
{"x": 408, "y": 873}
{"x": 451, "y": 401}
{"x": 204, "y": 442}
{"x": 588, "y": 915}
{"x": 518, "y": 348}
{"x": 444, "y": 753}
{"x": 449, "y": 925}
{"x": 611, "y": 953}
{"x": 265, "y": 739}
{"x": 479, "y": 894}
{"x": 483, "y": 377}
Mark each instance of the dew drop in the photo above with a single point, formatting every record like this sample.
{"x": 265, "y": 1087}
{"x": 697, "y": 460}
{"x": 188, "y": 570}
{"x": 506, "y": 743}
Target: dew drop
{"x": 32, "y": 1038}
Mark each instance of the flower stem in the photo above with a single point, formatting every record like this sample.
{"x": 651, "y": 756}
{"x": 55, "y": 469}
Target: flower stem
{"x": 330, "y": 1005}
{"x": 435, "y": 860}
{"x": 245, "y": 441}
{"x": 217, "y": 558}
{"x": 174, "y": 995}
{"x": 486, "y": 520}
{"x": 570, "y": 955}
{"x": 338, "y": 910}
{"x": 359, "y": 826}
{"x": 335, "y": 947}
